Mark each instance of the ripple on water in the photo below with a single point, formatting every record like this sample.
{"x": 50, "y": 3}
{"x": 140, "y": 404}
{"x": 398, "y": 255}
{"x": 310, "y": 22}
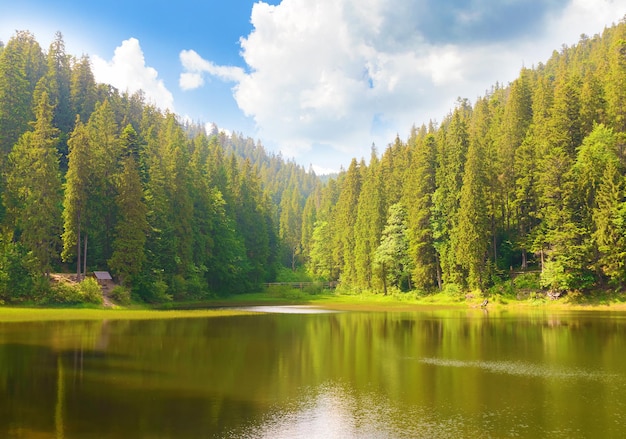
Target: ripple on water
{"x": 286, "y": 309}
{"x": 523, "y": 369}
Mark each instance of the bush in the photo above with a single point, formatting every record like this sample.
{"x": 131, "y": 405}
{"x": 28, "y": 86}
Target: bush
{"x": 285, "y": 292}
{"x": 160, "y": 294}
{"x": 17, "y": 273}
{"x": 528, "y": 281}
{"x": 90, "y": 291}
{"x": 121, "y": 295}
{"x": 64, "y": 293}
{"x": 452, "y": 290}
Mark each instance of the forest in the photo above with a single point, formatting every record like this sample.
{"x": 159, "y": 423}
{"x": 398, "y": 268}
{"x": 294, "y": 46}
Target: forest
{"x": 529, "y": 178}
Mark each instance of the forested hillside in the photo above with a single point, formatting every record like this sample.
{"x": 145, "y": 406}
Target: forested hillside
{"x": 530, "y": 176}
{"x": 97, "y": 179}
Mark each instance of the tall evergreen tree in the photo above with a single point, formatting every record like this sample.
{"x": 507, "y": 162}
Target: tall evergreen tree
{"x": 344, "y": 220}
{"x": 472, "y": 234}
{"x": 131, "y": 228}
{"x": 609, "y": 218}
{"x": 369, "y": 223}
{"x": 419, "y": 188}
{"x": 21, "y": 67}
{"x": 76, "y": 194}
{"x": 392, "y": 255}
{"x": 34, "y": 190}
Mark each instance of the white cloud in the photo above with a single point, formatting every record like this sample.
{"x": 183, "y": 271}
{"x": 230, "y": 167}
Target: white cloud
{"x": 195, "y": 66}
{"x": 127, "y": 71}
{"x": 189, "y": 81}
{"x": 346, "y": 73}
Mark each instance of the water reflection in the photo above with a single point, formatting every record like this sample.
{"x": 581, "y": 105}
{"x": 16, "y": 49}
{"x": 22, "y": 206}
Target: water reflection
{"x": 334, "y": 410}
{"x": 433, "y": 374}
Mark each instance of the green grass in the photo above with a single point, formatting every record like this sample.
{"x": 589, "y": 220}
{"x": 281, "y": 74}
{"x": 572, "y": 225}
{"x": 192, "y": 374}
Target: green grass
{"x": 366, "y": 301}
{"x": 51, "y": 314}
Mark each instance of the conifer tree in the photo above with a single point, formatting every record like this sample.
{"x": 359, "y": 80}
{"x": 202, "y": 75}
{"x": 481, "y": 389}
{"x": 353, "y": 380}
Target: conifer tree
{"x": 21, "y": 67}
{"x": 449, "y": 179}
{"x": 290, "y": 228}
{"x": 34, "y": 190}
{"x": 83, "y": 95}
{"x": 418, "y": 191}
{"x": 76, "y": 194}
{"x": 369, "y": 223}
{"x": 609, "y": 218}
{"x": 131, "y": 228}
{"x": 472, "y": 234}
{"x": 391, "y": 258}
{"x": 344, "y": 220}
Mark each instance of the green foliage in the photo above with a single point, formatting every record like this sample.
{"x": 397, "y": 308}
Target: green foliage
{"x": 18, "y": 273}
{"x": 63, "y": 293}
{"x": 528, "y": 281}
{"x": 151, "y": 291}
{"x": 90, "y": 291}
{"x": 121, "y": 295}
{"x": 391, "y": 258}
{"x": 532, "y": 173}
{"x": 285, "y": 274}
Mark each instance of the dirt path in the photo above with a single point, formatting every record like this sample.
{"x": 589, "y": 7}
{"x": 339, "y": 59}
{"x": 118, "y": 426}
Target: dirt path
{"x": 106, "y": 292}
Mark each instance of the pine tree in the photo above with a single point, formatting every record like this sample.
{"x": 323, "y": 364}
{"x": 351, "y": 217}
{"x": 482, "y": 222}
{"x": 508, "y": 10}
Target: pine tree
{"x": 130, "y": 231}
{"x": 21, "y": 67}
{"x": 369, "y": 223}
{"x": 83, "y": 95}
{"x": 609, "y": 218}
{"x": 344, "y": 220}
{"x": 451, "y": 156}
{"x": 34, "y": 187}
{"x": 391, "y": 258}
{"x": 472, "y": 233}
{"x": 290, "y": 228}
{"x": 418, "y": 191}
{"x": 76, "y": 194}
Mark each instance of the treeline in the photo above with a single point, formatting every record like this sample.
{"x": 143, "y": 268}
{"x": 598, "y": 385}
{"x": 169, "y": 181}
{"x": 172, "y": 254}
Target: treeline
{"x": 95, "y": 179}
{"x": 531, "y": 176}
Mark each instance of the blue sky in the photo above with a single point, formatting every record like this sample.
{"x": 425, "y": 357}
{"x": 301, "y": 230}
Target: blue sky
{"x": 317, "y": 80}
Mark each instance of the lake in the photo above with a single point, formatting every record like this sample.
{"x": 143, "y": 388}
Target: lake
{"x": 312, "y": 374}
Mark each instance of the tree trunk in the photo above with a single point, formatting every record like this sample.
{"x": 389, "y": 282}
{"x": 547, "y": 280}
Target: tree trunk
{"x": 78, "y": 252}
{"x": 438, "y": 267}
{"x": 85, "y": 257}
{"x": 384, "y": 276}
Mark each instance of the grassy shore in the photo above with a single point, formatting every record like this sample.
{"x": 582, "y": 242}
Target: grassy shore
{"x": 357, "y": 302}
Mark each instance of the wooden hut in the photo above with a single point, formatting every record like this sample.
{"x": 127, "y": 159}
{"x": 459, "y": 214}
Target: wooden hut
{"x": 103, "y": 278}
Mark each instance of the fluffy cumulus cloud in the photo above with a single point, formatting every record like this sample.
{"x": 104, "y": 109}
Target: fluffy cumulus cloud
{"x": 337, "y": 75}
{"x": 127, "y": 71}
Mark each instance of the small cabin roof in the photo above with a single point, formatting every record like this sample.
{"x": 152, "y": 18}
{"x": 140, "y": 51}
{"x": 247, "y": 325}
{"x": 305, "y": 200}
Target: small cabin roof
{"x": 102, "y": 275}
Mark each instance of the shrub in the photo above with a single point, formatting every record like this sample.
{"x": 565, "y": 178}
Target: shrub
{"x": 90, "y": 291}
{"x": 160, "y": 294}
{"x": 64, "y": 293}
{"x": 452, "y": 290}
{"x": 528, "y": 281}
{"x": 121, "y": 295}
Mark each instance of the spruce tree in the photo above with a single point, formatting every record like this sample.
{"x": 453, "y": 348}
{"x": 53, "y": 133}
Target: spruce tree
{"x": 132, "y": 225}
{"x": 391, "y": 258}
{"x": 418, "y": 191}
{"x": 609, "y": 219}
{"x": 34, "y": 190}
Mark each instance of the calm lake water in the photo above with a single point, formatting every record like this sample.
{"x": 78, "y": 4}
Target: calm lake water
{"x": 422, "y": 374}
